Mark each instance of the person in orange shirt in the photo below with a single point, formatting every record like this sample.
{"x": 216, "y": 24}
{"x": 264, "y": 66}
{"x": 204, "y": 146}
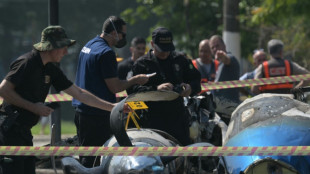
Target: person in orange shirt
{"x": 275, "y": 67}
{"x": 205, "y": 64}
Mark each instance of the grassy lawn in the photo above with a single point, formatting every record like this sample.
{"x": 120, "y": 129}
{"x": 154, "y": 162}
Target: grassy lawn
{"x": 67, "y": 127}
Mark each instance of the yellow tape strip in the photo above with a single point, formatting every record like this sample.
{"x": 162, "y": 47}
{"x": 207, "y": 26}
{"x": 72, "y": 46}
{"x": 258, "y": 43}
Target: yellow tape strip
{"x": 245, "y": 83}
{"x": 253, "y": 82}
{"x": 155, "y": 151}
{"x": 206, "y": 86}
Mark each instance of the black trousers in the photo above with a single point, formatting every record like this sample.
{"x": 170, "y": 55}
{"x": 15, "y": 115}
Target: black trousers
{"x": 174, "y": 123}
{"x": 92, "y": 130}
{"x": 18, "y": 136}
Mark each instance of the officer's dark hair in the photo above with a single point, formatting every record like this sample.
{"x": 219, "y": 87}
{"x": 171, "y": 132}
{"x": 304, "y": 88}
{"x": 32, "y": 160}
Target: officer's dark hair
{"x": 275, "y": 46}
{"x": 110, "y": 21}
{"x": 137, "y": 40}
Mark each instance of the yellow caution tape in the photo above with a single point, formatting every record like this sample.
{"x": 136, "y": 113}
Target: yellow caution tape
{"x": 253, "y": 82}
{"x": 54, "y": 98}
{"x": 207, "y": 86}
{"x": 155, "y": 151}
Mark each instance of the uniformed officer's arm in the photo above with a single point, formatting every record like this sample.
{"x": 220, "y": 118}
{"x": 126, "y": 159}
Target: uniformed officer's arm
{"x": 88, "y": 98}
{"x": 116, "y": 85}
{"x": 195, "y": 87}
{"x": 298, "y": 70}
{"x": 192, "y": 78}
{"x": 258, "y": 74}
{"x": 165, "y": 86}
{"x": 187, "y": 90}
{"x": 8, "y": 93}
{"x": 140, "y": 67}
{"x": 141, "y": 88}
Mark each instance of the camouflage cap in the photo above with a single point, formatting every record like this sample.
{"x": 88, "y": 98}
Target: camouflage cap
{"x": 53, "y": 37}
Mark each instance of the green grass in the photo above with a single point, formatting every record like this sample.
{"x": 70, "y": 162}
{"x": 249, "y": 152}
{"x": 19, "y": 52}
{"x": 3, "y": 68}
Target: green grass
{"x": 67, "y": 127}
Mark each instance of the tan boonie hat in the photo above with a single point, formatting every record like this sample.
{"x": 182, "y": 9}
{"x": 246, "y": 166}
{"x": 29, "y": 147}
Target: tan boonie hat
{"x": 53, "y": 37}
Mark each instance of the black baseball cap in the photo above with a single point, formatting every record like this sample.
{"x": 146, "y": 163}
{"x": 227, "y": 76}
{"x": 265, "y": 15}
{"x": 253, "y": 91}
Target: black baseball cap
{"x": 163, "y": 39}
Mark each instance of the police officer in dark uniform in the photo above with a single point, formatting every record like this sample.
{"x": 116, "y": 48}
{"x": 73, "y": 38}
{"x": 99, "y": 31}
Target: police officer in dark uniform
{"x": 25, "y": 88}
{"x": 173, "y": 72}
{"x": 276, "y": 67}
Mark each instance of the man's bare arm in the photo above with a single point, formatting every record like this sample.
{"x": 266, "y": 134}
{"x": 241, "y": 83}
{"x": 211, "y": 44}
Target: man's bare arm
{"x": 88, "y": 98}
{"x": 298, "y": 70}
{"x": 8, "y": 93}
{"x": 116, "y": 85}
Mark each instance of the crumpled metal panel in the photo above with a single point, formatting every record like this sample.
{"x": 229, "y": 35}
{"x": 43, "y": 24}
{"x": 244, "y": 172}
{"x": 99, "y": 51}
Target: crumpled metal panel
{"x": 138, "y": 164}
{"x": 269, "y": 120}
{"x": 260, "y": 108}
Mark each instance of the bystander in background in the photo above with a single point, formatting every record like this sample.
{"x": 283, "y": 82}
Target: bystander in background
{"x": 259, "y": 56}
{"x": 226, "y": 99}
{"x": 137, "y": 49}
{"x": 275, "y": 67}
{"x": 205, "y": 64}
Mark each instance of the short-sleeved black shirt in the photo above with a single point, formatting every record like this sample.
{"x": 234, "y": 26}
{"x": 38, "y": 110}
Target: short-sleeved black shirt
{"x": 124, "y": 67}
{"x": 176, "y": 69}
{"x": 32, "y": 81}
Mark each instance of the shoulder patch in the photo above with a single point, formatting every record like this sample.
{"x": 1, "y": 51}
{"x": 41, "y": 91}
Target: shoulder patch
{"x": 86, "y": 50}
{"x": 177, "y": 67}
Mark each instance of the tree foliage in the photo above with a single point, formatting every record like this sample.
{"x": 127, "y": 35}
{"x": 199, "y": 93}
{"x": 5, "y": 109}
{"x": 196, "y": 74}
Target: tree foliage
{"x": 21, "y": 23}
{"x": 190, "y": 21}
{"x": 260, "y": 20}
{"x": 195, "y": 20}
{"x": 289, "y": 21}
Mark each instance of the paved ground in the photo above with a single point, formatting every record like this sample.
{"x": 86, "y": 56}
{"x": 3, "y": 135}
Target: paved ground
{"x": 48, "y": 171}
{"x": 40, "y": 140}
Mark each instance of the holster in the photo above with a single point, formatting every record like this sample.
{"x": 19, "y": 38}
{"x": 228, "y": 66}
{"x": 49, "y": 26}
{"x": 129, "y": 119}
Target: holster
{"x": 8, "y": 118}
